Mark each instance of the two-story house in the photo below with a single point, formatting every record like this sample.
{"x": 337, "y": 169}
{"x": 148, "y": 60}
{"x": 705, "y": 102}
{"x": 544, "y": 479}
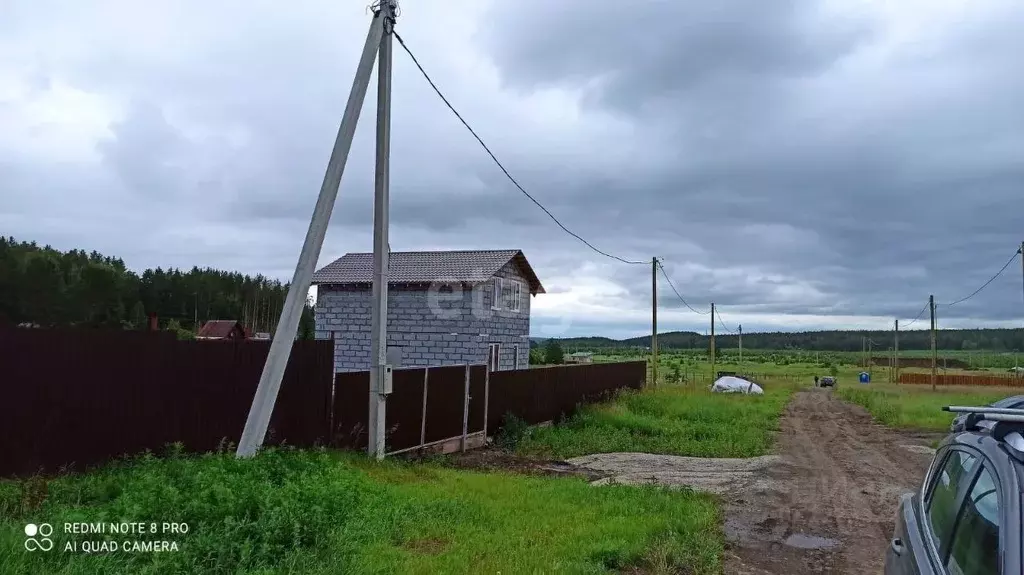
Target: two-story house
{"x": 444, "y": 308}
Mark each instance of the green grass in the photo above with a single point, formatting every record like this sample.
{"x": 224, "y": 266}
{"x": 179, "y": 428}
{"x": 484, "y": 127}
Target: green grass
{"x": 916, "y": 406}
{"x": 317, "y": 512}
{"x": 674, "y": 420}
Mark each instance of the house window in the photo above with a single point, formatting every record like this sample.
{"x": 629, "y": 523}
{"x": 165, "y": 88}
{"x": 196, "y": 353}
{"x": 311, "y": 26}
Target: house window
{"x": 515, "y": 294}
{"x": 496, "y": 294}
{"x": 493, "y": 354}
{"x": 515, "y": 356}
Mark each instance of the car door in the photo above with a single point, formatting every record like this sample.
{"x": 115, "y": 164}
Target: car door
{"x": 925, "y": 521}
{"x": 975, "y": 548}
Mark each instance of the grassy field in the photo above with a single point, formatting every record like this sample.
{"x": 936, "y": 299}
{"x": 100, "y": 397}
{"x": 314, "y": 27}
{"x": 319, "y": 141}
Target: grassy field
{"x": 317, "y": 512}
{"x": 672, "y": 419}
{"x": 917, "y": 406}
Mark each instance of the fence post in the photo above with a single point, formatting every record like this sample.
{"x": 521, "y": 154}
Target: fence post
{"x": 465, "y": 410}
{"x": 487, "y": 399}
{"x": 423, "y": 421}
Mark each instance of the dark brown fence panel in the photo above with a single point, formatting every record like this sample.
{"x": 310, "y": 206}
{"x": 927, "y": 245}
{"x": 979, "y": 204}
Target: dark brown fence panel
{"x": 967, "y": 380}
{"x": 351, "y": 409}
{"x": 446, "y": 387}
{"x": 80, "y": 397}
{"x": 405, "y": 409}
{"x": 546, "y": 394}
{"x": 445, "y": 395}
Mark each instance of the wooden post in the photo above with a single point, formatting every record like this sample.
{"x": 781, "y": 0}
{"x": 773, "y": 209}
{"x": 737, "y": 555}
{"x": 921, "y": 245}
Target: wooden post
{"x": 931, "y": 305}
{"x": 423, "y": 422}
{"x": 487, "y": 399}
{"x": 896, "y": 353}
{"x": 465, "y": 410}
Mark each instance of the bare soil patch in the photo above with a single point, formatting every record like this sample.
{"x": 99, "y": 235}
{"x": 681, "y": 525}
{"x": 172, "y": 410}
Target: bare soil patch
{"x": 824, "y": 503}
{"x": 829, "y": 504}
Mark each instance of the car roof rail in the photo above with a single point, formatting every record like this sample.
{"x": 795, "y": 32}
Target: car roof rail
{"x": 1007, "y": 425}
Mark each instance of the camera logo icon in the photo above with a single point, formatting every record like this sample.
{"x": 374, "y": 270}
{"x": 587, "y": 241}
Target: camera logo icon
{"x": 38, "y": 537}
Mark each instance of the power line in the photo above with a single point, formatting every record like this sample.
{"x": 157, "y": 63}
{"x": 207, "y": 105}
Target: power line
{"x": 919, "y": 314}
{"x": 984, "y": 285}
{"x": 662, "y": 268}
{"x": 722, "y": 321}
{"x": 497, "y": 162}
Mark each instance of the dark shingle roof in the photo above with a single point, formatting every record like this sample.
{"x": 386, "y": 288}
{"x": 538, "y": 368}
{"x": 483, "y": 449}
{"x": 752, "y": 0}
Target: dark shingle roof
{"x": 473, "y": 266}
{"x": 218, "y": 328}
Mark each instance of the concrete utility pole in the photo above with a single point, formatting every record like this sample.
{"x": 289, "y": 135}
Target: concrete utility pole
{"x": 713, "y": 358}
{"x": 931, "y": 306}
{"x": 740, "y": 330}
{"x": 380, "y": 371}
{"x": 896, "y": 353}
{"x": 284, "y": 336}
{"x": 654, "y": 321}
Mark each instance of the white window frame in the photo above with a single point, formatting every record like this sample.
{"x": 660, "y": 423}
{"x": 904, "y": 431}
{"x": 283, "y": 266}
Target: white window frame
{"x": 515, "y": 356}
{"x": 496, "y": 292}
{"x": 515, "y": 296}
{"x": 493, "y": 356}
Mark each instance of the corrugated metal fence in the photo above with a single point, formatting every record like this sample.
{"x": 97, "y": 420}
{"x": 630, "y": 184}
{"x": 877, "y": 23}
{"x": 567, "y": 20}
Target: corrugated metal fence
{"x": 74, "y": 398}
{"x": 79, "y": 397}
{"x": 971, "y": 380}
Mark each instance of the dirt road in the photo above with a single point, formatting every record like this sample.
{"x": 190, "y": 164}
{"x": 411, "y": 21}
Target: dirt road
{"x": 830, "y": 502}
{"x": 824, "y": 502}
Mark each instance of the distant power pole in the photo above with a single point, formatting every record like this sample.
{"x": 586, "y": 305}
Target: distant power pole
{"x": 863, "y": 352}
{"x": 713, "y": 359}
{"x": 740, "y": 330}
{"x": 896, "y": 353}
{"x": 654, "y": 321}
{"x": 931, "y": 305}
{"x": 262, "y": 407}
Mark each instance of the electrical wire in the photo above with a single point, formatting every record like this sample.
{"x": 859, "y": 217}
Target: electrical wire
{"x": 498, "y": 163}
{"x": 919, "y": 314}
{"x": 985, "y": 285}
{"x": 662, "y": 268}
{"x": 722, "y": 321}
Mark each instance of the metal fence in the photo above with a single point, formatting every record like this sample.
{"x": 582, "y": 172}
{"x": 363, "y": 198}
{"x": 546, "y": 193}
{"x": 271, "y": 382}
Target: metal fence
{"x": 72, "y": 398}
{"x": 1008, "y": 380}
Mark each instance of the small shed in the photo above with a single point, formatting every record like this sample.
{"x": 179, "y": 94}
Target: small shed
{"x": 580, "y": 357}
{"x": 222, "y": 329}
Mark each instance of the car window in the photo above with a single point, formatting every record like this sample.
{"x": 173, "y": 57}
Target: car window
{"x": 942, "y": 505}
{"x": 975, "y": 544}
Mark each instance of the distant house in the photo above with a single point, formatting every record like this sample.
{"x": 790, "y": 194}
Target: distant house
{"x": 222, "y": 329}
{"x": 579, "y": 357}
{"x": 444, "y": 308}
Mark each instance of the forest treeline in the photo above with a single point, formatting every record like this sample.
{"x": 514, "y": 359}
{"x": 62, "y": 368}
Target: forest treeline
{"x": 946, "y": 339}
{"x": 50, "y": 288}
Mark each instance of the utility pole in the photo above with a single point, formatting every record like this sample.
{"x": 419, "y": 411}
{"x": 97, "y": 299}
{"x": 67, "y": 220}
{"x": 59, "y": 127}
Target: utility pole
{"x": 871, "y": 360}
{"x": 713, "y": 359}
{"x": 740, "y": 329}
{"x": 654, "y": 321}
{"x": 281, "y": 346}
{"x": 931, "y": 305}
{"x": 380, "y": 371}
{"x": 863, "y": 352}
{"x": 896, "y": 353}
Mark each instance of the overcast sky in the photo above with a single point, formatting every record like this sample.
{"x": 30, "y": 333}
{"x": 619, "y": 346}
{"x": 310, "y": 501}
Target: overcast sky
{"x": 804, "y": 164}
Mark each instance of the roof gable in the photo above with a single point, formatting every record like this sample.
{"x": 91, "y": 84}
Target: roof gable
{"x": 473, "y": 266}
{"x": 219, "y": 328}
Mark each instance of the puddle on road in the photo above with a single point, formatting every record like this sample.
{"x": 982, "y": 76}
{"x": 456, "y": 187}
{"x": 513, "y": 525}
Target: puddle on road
{"x": 804, "y": 541}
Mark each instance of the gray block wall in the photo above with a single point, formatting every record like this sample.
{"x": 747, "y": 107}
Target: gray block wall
{"x": 433, "y": 325}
